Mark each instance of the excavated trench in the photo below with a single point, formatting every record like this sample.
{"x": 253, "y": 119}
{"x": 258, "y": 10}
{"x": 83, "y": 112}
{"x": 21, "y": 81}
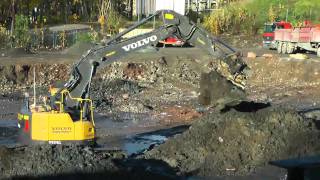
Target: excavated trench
{"x": 138, "y": 105}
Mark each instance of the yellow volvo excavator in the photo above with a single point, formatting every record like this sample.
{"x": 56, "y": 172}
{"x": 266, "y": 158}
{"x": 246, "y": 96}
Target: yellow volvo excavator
{"x": 69, "y": 115}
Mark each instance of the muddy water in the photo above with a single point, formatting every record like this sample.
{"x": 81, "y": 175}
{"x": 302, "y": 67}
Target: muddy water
{"x": 141, "y": 142}
{"x": 133, "y": 133}
{"x": 10, "y": 106}
{"x": 8, "y": 133}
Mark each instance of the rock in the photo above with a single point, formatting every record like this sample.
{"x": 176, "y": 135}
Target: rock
{"x": 252, "y": 55}
{"x": 125, "y": 96}
{"x": 267, "y": 55}
{"x": 299, "y": 56}
{"x": 226, "y": 93}
{"x": 163, "y": 61}
{"x": 312, "y": 114}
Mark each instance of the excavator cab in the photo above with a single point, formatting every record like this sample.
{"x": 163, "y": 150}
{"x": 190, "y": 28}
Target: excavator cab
{"x": 59, "y": 124}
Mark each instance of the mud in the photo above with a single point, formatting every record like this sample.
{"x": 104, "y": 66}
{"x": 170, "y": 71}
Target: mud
{"x": 243, "y": 41}
{"x": 75, "y": 162}
{"x": 18, "y": 77}
{"x": 146, "y": 85}
{"x": 120, "y": 84}
{"x": 281, "y": 80}
{"x": 237, "y": 143}
{"x": 217, "y": 91}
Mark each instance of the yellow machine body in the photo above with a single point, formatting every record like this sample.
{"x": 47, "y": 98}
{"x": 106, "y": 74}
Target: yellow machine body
{"x": 57, "y": 127}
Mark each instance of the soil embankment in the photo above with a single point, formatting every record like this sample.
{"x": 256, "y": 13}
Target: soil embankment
{"x": 237, "y": 143}
{"x": 75, "y": 162}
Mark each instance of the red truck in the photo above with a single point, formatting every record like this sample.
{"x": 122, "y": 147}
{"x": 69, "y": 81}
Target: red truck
{"x": 268, "y": 35}
{"x": 288, "y": 41}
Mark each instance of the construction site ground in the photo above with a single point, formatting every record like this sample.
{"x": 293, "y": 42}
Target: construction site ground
{"x": 151, "y": 121}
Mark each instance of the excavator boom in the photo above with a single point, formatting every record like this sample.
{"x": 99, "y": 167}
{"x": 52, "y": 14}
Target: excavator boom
{"x": 71, "y": 107}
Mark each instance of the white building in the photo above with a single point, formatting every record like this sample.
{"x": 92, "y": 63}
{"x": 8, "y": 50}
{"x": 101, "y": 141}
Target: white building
{"x": 178, "y": 6}
{"x": 147, "y": 7}
{"x": 203, "y": 5}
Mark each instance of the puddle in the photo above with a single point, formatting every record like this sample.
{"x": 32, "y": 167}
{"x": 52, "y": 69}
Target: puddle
{"x": 8, "y": 123}
{"x": 8, "y": 132}
{"x": 133, "y": 133}
{"x": 139, "y": 143}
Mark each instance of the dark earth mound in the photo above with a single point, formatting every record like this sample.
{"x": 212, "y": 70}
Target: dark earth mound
{"x": 76, "y": 162}
{"x": 238, "y": 142}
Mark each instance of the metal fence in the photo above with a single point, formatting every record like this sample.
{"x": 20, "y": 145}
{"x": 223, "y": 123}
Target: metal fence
{"x": 54, "y": 39}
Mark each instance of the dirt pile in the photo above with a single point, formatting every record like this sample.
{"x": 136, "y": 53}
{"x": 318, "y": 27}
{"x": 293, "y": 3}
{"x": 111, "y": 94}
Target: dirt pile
{"x": 242, "y": 41}
{"x": 17, "y": 77}
{"x": 138, "y": 86}
{"x": 216, "y": 90}
{"x": 278, "y": 77}
{"x": 46, "y": 160}
{"x": 75, "y": 162}
{"x": 177, "y": 113}
{"x": 282, "y": 72}
{"x": 145, "y": 85}
{"x": 236, "y": 143}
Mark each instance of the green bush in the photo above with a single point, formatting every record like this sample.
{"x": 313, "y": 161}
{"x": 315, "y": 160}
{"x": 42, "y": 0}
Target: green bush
{"x": 21, "y": 31}
{"x": 4, "y": 37}
{"x": 305, "y": 10}
{"x": 248, "y": 17}
{"x": 88, "y": 37}
{"x": 115, "y": 21}
{"x": 234, "y": 18}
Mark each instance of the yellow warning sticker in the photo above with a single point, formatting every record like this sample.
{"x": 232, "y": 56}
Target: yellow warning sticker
{"x": 111, "y": 53}
{"x": 201, "y": 41}
{"x": 169, "y": 16}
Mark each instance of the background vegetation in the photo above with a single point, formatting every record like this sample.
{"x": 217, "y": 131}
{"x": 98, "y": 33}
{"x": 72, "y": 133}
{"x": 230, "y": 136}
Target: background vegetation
{"x": 20, "y": 18}
{"x": 249, "y": 16}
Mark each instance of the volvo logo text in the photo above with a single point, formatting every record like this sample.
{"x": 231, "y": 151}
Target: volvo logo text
{"x": 140, "y": 43}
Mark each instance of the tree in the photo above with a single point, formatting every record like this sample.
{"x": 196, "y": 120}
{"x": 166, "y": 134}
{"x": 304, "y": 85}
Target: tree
{"x": 13, "y": 15}
{"x": 109, "y": 17}
{"x": 307, "y": 9}
{"x": 21, "y": 32}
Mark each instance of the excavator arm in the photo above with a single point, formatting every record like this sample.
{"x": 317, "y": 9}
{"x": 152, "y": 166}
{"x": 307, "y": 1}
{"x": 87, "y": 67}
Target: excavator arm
{"x": 69, "y": 117}
{"x": 174, "y": 24}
